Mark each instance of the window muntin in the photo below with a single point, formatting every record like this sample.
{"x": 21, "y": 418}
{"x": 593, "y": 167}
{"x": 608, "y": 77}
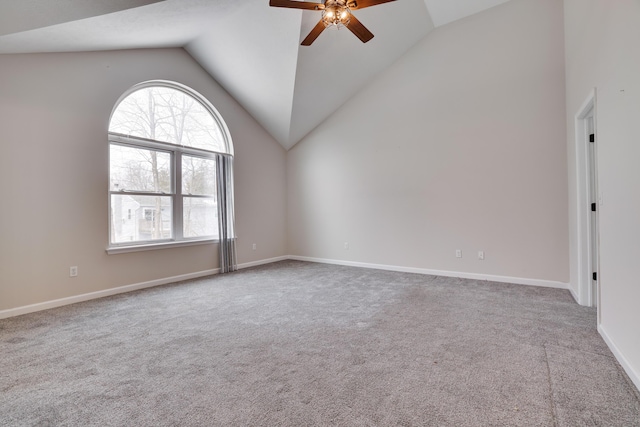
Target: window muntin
{"x": 164, "y": 140}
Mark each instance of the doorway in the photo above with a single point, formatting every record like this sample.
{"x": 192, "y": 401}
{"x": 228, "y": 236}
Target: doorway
{"x": 589, "y": 202}
{"x": 594, "y": 205}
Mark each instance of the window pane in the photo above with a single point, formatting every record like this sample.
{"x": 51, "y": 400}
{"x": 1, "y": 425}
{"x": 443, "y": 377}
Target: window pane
{"x": 200, "y": 217}
{"x": 198, "y": 176}
{"x": 140, "y": 218}
{"x": 168, "y": 115}
{"x": 139, "y": 169}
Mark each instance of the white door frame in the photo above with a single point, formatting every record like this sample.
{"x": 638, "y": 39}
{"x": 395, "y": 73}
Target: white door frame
{"x": 586, "y": 267}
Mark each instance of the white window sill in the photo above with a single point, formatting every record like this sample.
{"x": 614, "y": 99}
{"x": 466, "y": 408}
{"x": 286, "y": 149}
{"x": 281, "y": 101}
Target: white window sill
{"x": 112, "y": 250}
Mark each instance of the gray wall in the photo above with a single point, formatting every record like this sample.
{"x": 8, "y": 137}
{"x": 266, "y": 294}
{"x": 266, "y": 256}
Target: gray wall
{"x": 458, "y": 145}
{"x": 602, "y": 53}
{"x": 54, "y": 112}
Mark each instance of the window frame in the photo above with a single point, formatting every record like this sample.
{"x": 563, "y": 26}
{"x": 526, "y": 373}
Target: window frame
{"x": 176, "y": 152}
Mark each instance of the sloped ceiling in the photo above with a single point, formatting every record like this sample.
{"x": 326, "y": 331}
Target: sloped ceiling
{"x": 251, "y": 49}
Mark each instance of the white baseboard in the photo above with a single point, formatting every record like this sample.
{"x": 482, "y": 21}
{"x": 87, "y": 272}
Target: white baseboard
{"x": 100, "y": 294}
{"x": 491, "y": 278}
{"x": 574, "y": 295}
{"x": 122, "y": 289}
{"x": 262, "y": 262}
{"x": 128, "y": 288}
{"x": 633, "y": 375}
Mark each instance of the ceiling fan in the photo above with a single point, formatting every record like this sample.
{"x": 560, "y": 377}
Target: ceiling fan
{"x": 334, "y": 12}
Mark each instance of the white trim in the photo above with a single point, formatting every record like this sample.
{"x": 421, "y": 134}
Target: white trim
{"x": 128, "y": 288}
{"x": 167, "y": 147}
{"x": 583, "y": 231}
{"x": 633, "y": 375}
{"x": 587, "y": 104}
{"x": 100, "y": 294}
{"x": 475, "y": 276}
{"x": 262, "y": 261}
{"x": 153, "y": 246}
{"x": 574, "y": 295}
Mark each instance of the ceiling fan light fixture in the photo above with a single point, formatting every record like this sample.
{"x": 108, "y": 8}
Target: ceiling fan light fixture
{"x": 336, "y": 12}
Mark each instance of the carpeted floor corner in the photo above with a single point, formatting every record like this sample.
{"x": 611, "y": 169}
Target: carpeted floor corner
{"x": 303, "y": 344}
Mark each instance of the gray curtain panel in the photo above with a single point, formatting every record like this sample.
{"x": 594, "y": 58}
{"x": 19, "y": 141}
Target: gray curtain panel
{"x": 224, "y": 170}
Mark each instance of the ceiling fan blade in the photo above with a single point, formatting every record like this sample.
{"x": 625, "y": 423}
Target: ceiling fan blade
{"x": 361, "y": 4}
{"x": 296, "y": 4}
{"x": 359, "y": 30}
{"x": 314, "y": 34}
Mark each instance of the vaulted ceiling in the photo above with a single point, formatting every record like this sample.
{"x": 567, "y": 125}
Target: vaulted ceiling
{"x": 251, "y": 49}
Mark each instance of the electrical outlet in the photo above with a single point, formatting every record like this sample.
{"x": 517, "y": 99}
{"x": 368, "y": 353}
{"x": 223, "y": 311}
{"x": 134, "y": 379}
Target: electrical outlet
{"x": 73, "y": 271}
{"x": 254, "y": 247}
{"x": 481, "y": 255}
{"x": 458, "y": 253}
{"x": 346, "y": 245}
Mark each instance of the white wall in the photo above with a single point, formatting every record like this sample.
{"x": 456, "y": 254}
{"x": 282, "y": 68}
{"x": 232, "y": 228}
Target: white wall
{"x": 602, "y": 53}
{"x": 54, "y": 112}
{"x": 458, "y": 145}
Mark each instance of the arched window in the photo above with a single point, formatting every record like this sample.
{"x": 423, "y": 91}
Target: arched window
{"x": 167, "y": 147}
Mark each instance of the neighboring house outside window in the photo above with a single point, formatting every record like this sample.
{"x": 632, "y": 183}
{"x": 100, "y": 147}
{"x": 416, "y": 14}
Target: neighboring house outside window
{"x": 163, "y": 143}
